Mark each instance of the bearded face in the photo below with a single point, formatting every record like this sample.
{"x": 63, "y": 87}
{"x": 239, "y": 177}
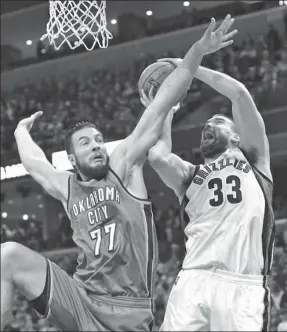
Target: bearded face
{"x": 216, "y": 136}
{"x": 89, "y": 155}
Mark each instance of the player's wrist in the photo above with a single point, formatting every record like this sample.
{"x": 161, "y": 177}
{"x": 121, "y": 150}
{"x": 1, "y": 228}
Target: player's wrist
{"x": 20, "y": 129}
{"x": 200, "y": 47}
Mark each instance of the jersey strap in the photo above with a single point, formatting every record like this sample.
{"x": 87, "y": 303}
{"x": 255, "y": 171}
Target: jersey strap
{"x": 268, "y": 231}
{"x": 147, "y": 200}
{"x": 184, "y": 219}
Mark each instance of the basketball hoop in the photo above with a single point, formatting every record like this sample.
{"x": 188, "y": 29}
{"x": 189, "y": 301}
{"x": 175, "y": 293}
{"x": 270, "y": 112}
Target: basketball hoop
{"x": 78, "y": 23}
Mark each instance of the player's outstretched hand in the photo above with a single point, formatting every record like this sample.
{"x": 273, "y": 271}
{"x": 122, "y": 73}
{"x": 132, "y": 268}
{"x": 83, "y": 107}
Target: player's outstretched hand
{"x": 28, "y": 122}
{"x": 147, "y": 100}
{"x": 213, "y": 41}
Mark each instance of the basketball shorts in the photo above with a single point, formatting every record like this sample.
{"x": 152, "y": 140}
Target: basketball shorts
{"x": 70, "y": 308}
{"x": 202, "y": 300}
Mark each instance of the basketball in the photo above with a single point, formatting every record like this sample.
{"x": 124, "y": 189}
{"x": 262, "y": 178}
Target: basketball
{"x": 154, "y": 75}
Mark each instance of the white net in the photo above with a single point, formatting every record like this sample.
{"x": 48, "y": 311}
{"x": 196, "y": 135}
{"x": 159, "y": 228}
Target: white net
{"x": 78, "y": 23}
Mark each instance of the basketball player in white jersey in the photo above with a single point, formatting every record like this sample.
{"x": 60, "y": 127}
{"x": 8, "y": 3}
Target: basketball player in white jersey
{"x": 106, "y": 201}
{"x": 227, "y": 214}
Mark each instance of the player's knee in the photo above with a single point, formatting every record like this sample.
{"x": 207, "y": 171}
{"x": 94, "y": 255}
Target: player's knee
{"x": 10, "y": 255}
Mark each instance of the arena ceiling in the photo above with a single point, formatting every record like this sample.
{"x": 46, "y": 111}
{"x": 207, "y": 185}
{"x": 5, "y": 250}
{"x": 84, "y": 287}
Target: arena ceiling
{"x": 8, "y": 6}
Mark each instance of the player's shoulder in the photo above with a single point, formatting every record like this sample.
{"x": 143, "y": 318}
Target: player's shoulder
{"x": 192, "y": 171}
{"x": 259, "y": 164}
{"x": 64, "y": 176}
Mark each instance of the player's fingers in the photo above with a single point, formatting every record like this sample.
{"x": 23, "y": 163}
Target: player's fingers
{"x": 177, "y": 106}
{"x": 169, "y": 60}
{"x": 163, "y": 60}
{"x": 229, "y": 35}
{"x": 211, "y": 27}
{"x": 229, "y": 25}
{"x": 144, "y": 98}
{"x": 37, "y": 115}
{"x": 227, "y": 43}
{"x": 143, "y": 94}
{"x": 224, "y": 24}
{"x": 151, "y": 93}
{"x": 144, "y": 102}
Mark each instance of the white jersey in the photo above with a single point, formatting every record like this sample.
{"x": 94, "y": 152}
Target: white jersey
{"x": 227, "y": 221}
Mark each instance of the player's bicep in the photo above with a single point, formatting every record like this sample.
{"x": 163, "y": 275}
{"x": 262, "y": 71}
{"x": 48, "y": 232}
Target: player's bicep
{"x": 174, "y": 172}
{"x": 54, "y": 182}
{"x": 250, "y": 125}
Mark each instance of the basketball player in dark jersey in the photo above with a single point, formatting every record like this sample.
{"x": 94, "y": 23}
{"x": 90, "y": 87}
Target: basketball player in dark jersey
{"x": 226, "y": 208}
{"x": 107, "y": 203}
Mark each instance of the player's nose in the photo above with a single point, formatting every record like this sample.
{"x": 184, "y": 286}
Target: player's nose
{"x": 207, "y": 126}
{"x": 95, "y": 146}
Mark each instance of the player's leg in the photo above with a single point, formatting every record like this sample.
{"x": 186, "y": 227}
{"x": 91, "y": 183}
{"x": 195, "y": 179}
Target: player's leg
{"x": 129, "y": 314}
{"x": 51, "y": 291}
{"x": 251, "y": 309}
{"x": 238, "y": 304}
{"x": 22, "y": 269}
{"x": 187, "y": 304}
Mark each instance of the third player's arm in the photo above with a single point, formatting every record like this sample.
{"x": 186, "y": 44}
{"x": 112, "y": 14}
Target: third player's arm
{"x": 248, "y": 120}
{"x": 172, "y": 170}
{"x": 34, "y": 160}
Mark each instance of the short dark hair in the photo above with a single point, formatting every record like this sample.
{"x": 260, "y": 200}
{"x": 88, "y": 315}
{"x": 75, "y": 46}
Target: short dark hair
{"x": 76, "y": 127}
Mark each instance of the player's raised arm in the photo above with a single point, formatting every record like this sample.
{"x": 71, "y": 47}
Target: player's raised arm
{"x": 247, "y": 119}
{"x": 37, "y": 165}
{"x": 173, "y": 171}
{"x": 149, "y": 128}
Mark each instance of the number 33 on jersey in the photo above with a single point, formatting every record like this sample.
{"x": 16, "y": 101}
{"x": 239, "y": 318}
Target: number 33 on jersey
{"x": 225, "y": 206}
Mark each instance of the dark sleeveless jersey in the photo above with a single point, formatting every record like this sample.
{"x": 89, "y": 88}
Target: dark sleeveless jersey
{"x": 116, "y": 237}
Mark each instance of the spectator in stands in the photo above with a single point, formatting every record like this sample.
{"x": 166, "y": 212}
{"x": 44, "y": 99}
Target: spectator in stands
{"x": 248, "y": 55}
{"x": 273, "y": 39}
{"x": 281, "y": 65}
{"x": 276, "y": 294}
{"x": 283, "y": 302}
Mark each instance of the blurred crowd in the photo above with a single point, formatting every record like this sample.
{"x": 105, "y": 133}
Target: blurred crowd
{"x": 171, "y": 253}
{"x": 110, "y": 98}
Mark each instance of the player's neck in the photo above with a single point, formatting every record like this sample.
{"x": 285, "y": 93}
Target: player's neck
{"x": 232, "y": 149}
{"x": 83, "y": 177}
{"x": 210, "y": 160}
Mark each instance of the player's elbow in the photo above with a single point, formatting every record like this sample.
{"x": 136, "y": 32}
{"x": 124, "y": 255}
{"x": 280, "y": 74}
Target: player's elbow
{"x": 156, "y": 157}
{"x": 153, "y": 155}
{"x": 28, "y": 165}
{"x": 241, "y": 91}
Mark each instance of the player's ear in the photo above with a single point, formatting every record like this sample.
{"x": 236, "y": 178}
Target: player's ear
{"x": 72, "y": 159}
{"x": 235, "y": 140}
